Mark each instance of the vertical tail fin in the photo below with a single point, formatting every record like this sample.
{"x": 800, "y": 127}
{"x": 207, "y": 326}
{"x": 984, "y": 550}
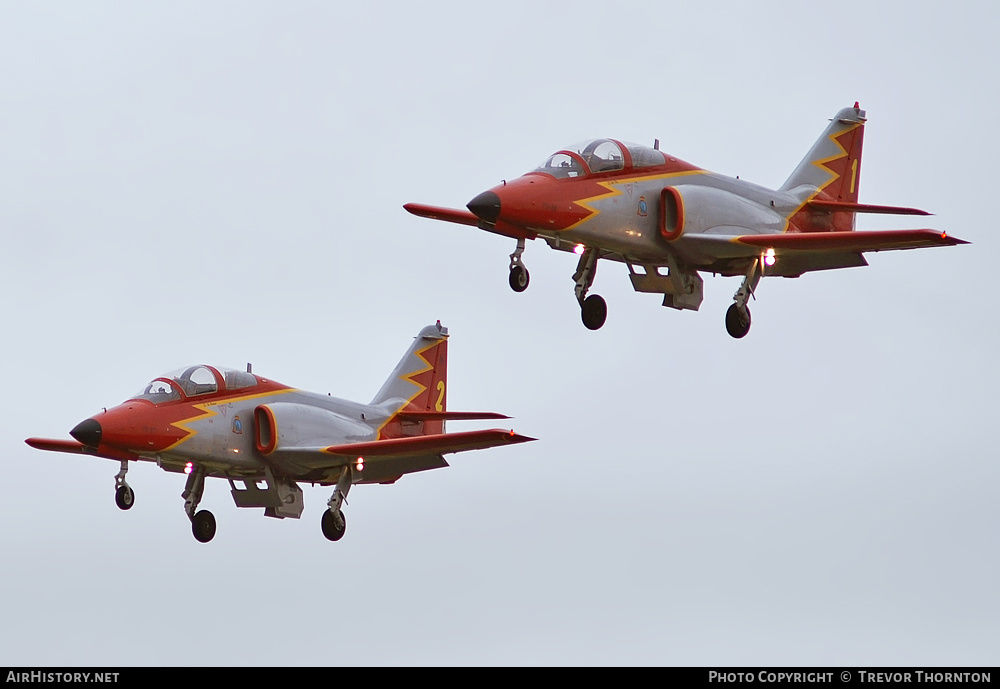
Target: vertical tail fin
{"x": 831, "y": 171}
{"x": 418, "y": 383}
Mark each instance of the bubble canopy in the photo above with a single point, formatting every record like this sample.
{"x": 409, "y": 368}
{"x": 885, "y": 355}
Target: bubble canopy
{"x": 193, "y": 381}
{"x": 599, "y": 155}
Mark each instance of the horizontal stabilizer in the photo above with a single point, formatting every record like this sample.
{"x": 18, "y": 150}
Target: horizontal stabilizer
{"x": 865, "y": 240}
{"x": 448, "y": 415}
{"x": 446, "y": 214}
{"x": 442, "y": 443}
{"x": 842, "y": 206}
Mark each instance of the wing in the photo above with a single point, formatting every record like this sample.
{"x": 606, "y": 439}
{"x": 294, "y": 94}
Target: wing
{"x": 858, "y": 241}
{"x": 800, "y": 252}
{"x": 467, "y": 218}
{"x": 446, "y": 214}
{"x": 385, "y": 461}
{"x": 441, "y": 443}
{"x": 73, "y": 447}
{"x": 56, "y": 445}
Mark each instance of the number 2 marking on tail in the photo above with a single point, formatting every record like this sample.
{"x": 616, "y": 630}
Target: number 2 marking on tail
{"x": 440, "y": 388}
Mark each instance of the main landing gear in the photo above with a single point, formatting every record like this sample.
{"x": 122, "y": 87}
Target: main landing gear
{"x": 203, "y": 522}
{"x": 334, "y": 524}
{"x": 124, "y": 495}
{"x": 593, "y": 309}
{"x": 518, "y": 273}
{"x": 738, "y": 315}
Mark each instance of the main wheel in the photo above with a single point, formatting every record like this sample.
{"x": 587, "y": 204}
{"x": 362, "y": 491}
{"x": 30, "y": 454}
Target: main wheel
{"x": 124, "y": 497}
{"x": 330, "y": 528}
{"x": 594, "y": 312}
{"x": 203, "y": 526}
{"x": 736, "y": 324}
{"x": 518, "y": 278}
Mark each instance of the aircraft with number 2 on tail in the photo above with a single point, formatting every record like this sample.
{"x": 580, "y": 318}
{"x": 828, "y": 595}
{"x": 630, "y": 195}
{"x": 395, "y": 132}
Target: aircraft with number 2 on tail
{"x": 605, "y": 199}
{"x": 207, "y": 421}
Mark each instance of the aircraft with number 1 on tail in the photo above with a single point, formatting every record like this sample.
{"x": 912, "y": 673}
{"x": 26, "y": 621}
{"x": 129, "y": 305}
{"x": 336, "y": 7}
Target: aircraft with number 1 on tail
{"x": 206, "y": 421}
{"x": 605, "y": 199}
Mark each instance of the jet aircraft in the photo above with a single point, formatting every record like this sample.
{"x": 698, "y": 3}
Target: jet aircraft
{"x": 206, "y": 421}
{"x": 605, "y": 199}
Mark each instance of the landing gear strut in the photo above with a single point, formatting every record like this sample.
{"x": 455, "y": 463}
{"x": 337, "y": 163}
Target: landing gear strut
{"x": 738, "y": 315}
{"x": 593, "y": 309}
{"x": 518, "y": 273}
{"x": 333, "y": 523}
{"x": 203, "y": 522}
{"x": 124, "y": 495}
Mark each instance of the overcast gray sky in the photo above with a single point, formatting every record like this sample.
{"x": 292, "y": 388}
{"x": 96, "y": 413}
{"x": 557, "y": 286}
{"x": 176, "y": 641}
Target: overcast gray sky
{"x": 223, "y": 182}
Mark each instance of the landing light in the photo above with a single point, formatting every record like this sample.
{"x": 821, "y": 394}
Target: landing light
{"x": 188, "y": 468}
{"x": 360, "y": 464}
{"x": 578, "y": 249}
{"x": 769, "y": 257}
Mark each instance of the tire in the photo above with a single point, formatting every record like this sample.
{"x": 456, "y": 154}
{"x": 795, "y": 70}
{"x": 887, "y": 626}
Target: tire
{"x": 735, "y": 324}
{"x": 329, "y": 525}
{"x": 594, "y": 312}
{"x": 519, "y": 278}
{"x": 124, "y": 497}
{"x": 203, "y": 526}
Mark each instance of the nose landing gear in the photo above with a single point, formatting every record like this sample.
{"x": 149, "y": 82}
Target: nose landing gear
{"x": 124, "y": 495}
{"x": 518, "y": 273}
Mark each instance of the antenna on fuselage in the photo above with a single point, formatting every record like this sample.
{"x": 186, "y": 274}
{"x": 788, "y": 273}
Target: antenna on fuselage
{"x": 249, "y": 367}
{"x": 656, "y": 144}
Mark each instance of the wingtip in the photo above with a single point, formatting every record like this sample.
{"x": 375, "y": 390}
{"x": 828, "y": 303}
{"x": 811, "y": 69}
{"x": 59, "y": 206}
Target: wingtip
{"x": 518, "y": 438}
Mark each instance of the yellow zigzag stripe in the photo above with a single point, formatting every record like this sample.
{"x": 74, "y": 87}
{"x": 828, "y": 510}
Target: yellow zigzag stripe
{"x": 822, "y": 164}
{"x": 207, "y": 413}
{"x": 409, "y": 378}
{"x": 612, "y": 192}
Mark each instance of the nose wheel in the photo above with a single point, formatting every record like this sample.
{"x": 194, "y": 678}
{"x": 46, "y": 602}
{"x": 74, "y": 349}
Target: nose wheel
{"x": 518, "y": 278}
{"x": 124, "y": 495}
{"x": 518, "y": 273}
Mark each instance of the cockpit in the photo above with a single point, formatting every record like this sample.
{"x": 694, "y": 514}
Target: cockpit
{"x": 600, "y": 155}
{"x": 194, "y": 381}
